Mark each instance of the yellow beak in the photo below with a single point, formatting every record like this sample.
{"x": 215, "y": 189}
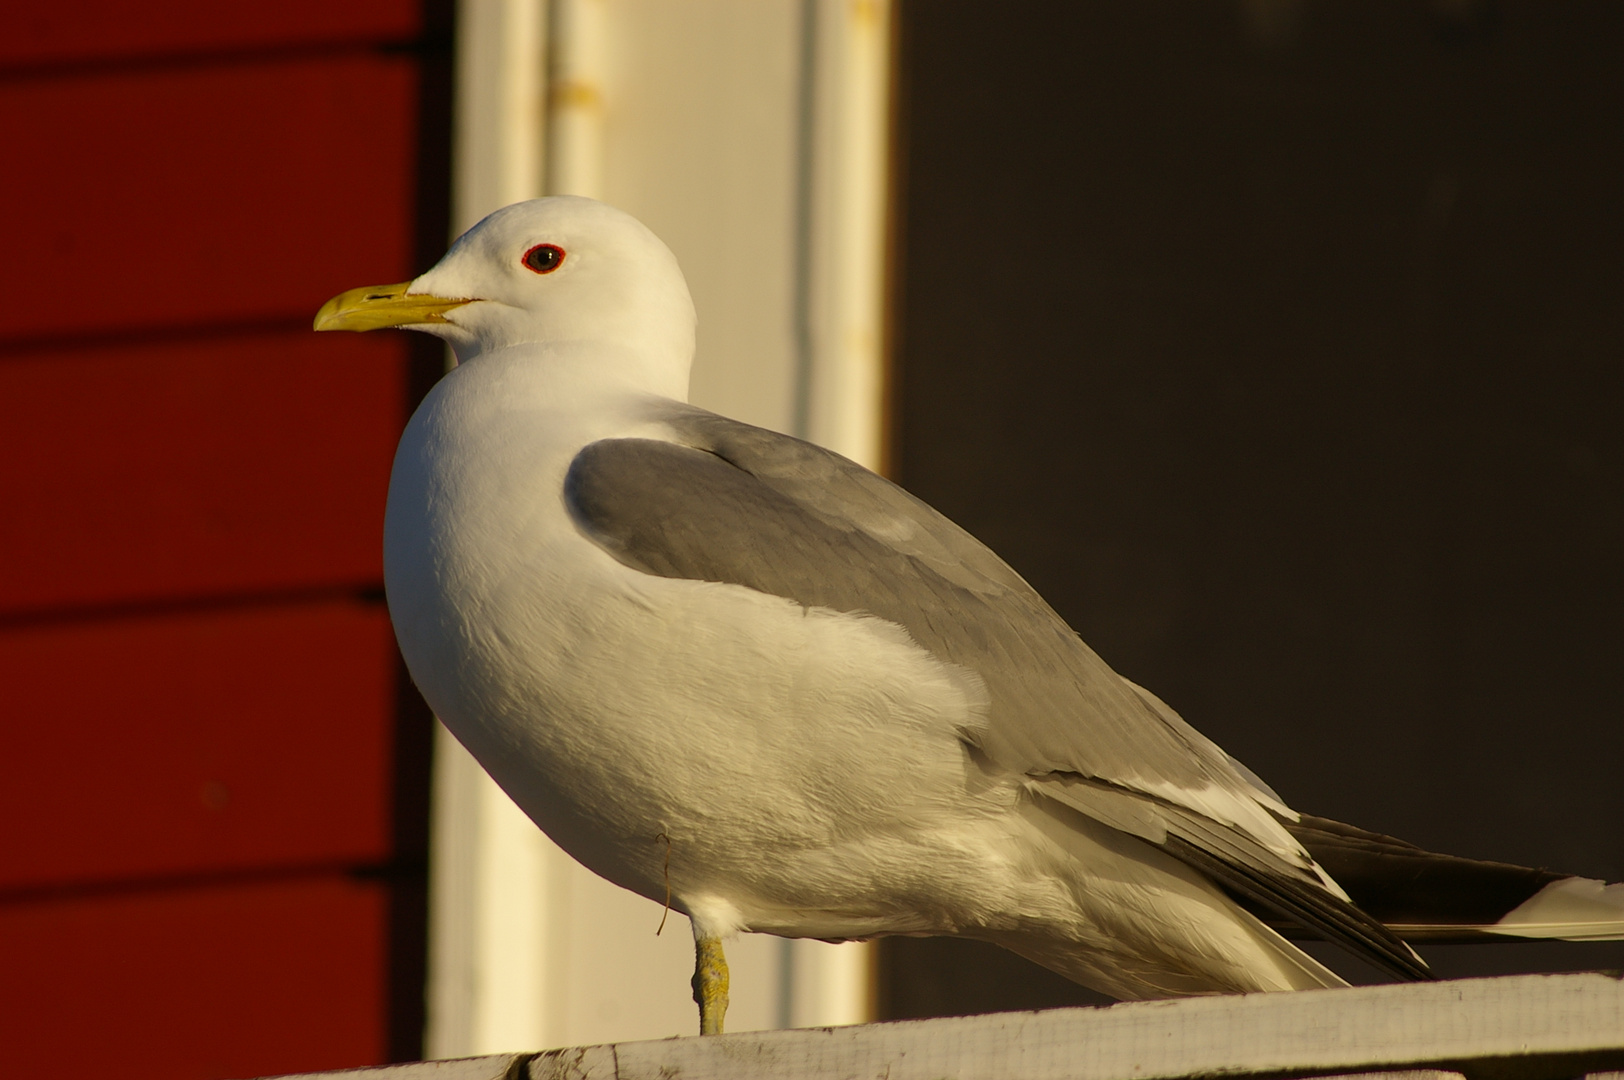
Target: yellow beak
{"x": 383, "y": 305}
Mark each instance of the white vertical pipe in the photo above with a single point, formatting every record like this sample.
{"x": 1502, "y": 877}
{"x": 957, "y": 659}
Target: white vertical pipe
{"x": 500, "y": 100}
{"x": 575, "y": 98}
{"x": 850, "y": 174}
{"x": 842, "y": 311}
{"x": 487, "y": 985}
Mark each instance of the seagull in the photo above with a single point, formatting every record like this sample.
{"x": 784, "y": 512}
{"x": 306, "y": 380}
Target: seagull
{"x": 745, "y": 677}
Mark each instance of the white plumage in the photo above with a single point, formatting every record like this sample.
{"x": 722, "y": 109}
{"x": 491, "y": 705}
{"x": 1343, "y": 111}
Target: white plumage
{"x": 720, "y": 664}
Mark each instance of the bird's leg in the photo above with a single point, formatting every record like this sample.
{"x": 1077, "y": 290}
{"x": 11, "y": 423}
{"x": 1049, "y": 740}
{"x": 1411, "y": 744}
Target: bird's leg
{"x": 710, "y": 982}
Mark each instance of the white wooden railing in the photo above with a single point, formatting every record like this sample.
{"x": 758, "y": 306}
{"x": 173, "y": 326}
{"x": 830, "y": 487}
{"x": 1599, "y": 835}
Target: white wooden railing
{"x": 1525, "y": 1027}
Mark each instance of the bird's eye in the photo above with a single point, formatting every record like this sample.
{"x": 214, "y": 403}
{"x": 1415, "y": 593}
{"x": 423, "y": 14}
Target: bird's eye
{"x": 544, "y": 258}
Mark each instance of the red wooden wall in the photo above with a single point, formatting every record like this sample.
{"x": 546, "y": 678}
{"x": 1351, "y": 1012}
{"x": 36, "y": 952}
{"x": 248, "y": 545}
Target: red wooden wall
{"x": 212, "y": 806}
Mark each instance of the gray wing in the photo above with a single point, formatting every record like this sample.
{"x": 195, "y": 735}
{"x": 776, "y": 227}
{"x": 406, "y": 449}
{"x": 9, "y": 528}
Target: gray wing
{"x": 752, "y": 507}
{"x": 732, "y": 503}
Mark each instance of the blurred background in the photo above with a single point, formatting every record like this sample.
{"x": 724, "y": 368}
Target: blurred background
{"x": 1275, "y": 341}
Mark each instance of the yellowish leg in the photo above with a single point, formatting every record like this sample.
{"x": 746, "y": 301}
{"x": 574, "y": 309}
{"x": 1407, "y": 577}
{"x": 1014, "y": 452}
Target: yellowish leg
{"x": 710, "y": 984}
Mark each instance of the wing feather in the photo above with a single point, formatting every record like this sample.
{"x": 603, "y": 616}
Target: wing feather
{"x": 723, "y": 501}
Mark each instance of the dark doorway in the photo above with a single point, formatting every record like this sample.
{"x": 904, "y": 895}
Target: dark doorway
{"x": 1278, "y": 344}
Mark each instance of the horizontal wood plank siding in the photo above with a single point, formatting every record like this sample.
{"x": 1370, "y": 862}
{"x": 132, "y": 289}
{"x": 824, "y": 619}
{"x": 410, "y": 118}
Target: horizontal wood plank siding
{"x": 106, "y": 30}
{"x": 216, "y": 740}
{"x": 215, "y": 770}
{"x": 212, "y": 981}
{"x": 208, "y": 195}
{"x": 245, "y": 463}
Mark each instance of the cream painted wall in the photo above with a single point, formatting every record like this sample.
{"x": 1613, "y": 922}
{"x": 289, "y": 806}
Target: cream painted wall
{"x": 705, "y": 153}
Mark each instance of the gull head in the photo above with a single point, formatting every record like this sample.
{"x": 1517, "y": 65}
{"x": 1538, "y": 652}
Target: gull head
{"x": 561, "y": 271}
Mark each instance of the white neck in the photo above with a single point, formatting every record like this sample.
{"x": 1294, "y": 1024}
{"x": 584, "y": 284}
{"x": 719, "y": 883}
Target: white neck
{"x": 573, "y": 371}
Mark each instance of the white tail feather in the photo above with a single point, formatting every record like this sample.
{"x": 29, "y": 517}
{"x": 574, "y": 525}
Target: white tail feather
{"x": 1573, "y": 909}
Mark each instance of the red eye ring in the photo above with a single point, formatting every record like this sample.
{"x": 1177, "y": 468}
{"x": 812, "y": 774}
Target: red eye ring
{"x": 544, "y": 258}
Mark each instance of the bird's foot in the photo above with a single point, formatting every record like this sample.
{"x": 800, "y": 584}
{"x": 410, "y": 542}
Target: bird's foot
{"x": 710, "y": 984}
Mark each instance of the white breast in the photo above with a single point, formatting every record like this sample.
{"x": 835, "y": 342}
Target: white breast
{"x": 618, "y": 708}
